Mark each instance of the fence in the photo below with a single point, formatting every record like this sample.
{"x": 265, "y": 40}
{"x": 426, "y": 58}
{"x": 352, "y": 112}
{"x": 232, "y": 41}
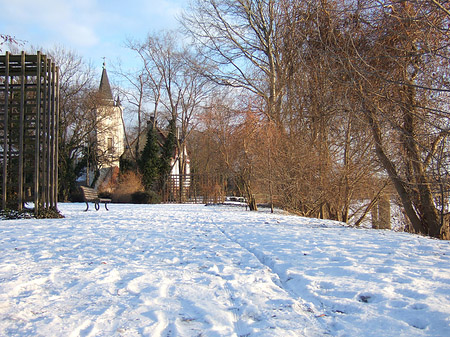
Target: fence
{"x": 194, "y": 188}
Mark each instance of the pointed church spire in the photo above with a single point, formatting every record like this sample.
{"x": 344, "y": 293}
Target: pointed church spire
{"x": 105, "y": 88}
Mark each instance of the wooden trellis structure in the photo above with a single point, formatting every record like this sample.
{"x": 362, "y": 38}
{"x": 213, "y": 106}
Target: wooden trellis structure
{"x": 29, "y": 95}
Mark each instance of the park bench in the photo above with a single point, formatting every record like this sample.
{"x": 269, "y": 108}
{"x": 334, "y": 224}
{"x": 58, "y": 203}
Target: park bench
{"x": 91, "y": 195}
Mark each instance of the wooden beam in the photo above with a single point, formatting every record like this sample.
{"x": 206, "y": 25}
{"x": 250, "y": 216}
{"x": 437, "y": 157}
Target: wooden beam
{"x": 52, "y": 140}
{"x": 37, "y": 136}
{"x": 21, "y": 135}
{"x": 56, "y": 187}
{"x": 47, "y": 134}
{"x": 5, "y": 132}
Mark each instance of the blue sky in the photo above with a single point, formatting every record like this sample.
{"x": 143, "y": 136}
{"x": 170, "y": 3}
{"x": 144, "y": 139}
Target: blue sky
{"x": 92, "y": 28}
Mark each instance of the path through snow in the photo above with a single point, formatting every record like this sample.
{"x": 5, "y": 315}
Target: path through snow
{"x": 191, "y": 270}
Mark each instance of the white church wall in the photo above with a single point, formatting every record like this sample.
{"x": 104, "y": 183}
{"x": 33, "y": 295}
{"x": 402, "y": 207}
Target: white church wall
{"x": 110, "y": 136}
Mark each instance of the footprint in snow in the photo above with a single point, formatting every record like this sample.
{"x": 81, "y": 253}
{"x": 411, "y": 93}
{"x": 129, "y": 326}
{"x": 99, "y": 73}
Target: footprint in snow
{"x": 368, "y": 298}
{"x": 417, "y": 322}
{"x": 419, "y": 306}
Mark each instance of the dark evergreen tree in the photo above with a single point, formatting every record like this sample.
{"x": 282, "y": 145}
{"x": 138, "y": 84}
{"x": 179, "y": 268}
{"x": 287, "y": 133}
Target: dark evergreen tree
{"x": 88, "y": 162}
{"x": 168, "y": 150}
{"x": 67, "y": 177}
{"x": 149, "y": 161}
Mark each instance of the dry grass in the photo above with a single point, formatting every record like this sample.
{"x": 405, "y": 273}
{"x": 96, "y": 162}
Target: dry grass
{"x": 128, "y": 183}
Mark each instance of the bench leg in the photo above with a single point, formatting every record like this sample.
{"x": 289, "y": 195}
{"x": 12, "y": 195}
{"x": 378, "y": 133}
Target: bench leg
{"x": 106, "y": 206}
{"x": 97, "y": 206}
{"x": 87, "y": 206}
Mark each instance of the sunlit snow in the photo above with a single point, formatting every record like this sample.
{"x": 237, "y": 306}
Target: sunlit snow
{"x": 192, "y": 270}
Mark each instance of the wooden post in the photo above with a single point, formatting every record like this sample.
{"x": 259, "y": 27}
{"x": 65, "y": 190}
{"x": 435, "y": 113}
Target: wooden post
{"x": 48, "y": 135}
{"x": 46, "y": 123}
{"x": 56, "y": 137}
{"x": 21, "y": 133}
{"x": 381, "y": 213}
{"x": 5, "y": 133}
{"x": 52, "y": 140}
{"x": 37, "y": 133}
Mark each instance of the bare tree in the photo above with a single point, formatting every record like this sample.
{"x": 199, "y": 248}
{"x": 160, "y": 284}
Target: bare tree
{"x": 177, "y": 89}
{"x": 264, "y": 47}
{"x": 239, "y": 39}
{"x": 391, "y": 57}
{"x": 134, "y": 91}
{"x": 78, "y": 101}
{"x": 408, "y": 72}
{"x": 10, "y": 41}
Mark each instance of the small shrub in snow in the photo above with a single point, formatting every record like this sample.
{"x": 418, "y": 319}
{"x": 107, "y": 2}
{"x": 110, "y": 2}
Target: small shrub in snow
{"x": 46, "y": 213}
{"x": 49, "y": 213}
{"x": 129, "y": 183}
{"x": 149, "y": 197}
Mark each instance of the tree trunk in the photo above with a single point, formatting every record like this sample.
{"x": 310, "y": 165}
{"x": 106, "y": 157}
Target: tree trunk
{"x": 427, "y": 209}
{"x": 445, "y": 230}
{"x": 405, "y": 197}
{"x": 251, "y": 201}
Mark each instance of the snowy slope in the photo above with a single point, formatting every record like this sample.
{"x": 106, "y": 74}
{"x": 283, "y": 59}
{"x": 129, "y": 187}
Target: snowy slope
{"x": 191, "y": 270}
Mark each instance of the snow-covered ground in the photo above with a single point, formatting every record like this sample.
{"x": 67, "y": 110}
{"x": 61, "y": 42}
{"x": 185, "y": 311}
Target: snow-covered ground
{"x": 191, "y": 270}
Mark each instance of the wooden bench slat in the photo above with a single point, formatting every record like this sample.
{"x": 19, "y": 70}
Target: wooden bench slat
{"x": 91, "y": 195}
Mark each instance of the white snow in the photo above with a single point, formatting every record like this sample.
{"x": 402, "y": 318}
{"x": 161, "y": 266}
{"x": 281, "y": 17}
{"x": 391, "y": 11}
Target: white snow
{"x": 191, "y": 270}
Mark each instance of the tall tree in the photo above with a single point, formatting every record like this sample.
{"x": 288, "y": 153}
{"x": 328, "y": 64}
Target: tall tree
{"x": 178, "y": 90}
{"x": 390, "y": 58}
{"x": 239, "y": 40}
{"x": 168, "y": 151}
{"x": 9, "y": 40}
{"x": 324, "y": 152}
{"x": 149, "y": 160}
{"x": 134, "y": 91}
{"x": 78, "y": 99}
{"x": 401, "y": 83}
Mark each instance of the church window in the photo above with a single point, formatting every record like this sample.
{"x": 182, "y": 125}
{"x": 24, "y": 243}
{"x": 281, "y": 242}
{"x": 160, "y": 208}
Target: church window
{"x": 110, "y": 144}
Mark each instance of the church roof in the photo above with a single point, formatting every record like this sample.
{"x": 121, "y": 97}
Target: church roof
{"x": 105, "y": 88}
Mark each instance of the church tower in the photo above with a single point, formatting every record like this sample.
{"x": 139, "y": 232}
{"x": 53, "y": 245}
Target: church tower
{"x": 109, "y": 128}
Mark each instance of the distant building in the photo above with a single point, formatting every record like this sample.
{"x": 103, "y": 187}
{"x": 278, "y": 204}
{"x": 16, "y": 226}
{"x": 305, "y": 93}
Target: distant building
{"x": 109, "y": 134}
{"x": 180, "y": 163}
{"x": 161, "y": 136}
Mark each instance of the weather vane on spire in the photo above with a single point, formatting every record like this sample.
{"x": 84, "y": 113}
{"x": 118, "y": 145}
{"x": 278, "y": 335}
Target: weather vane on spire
{"x": 104, "y": 62}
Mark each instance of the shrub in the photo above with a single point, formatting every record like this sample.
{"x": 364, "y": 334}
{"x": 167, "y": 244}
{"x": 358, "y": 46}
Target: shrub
{"x": 145, "y": 197}
{"x": 105, "y": 194}
{"x": 76, "y": 195}
{"x": 49, "y": 213}
{"x": 129, "y": 183}
{"x": 44, "y": 213}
